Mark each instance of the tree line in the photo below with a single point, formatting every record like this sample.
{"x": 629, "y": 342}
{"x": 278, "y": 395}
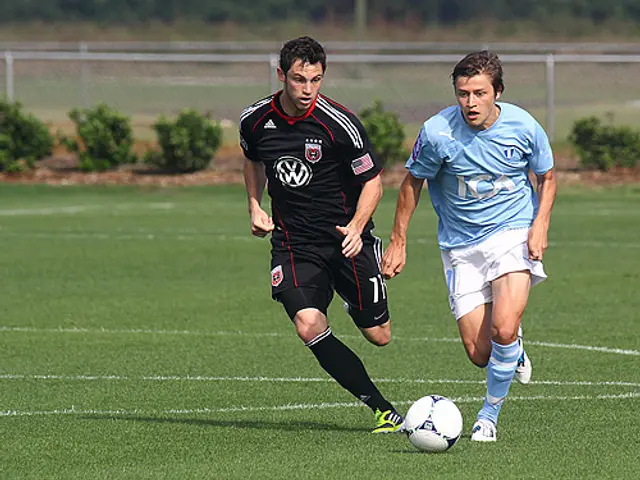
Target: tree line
{"x": 447, "y": 12}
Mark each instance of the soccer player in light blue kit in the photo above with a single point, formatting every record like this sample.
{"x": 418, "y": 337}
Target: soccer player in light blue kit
{"x": 492, "y": 224}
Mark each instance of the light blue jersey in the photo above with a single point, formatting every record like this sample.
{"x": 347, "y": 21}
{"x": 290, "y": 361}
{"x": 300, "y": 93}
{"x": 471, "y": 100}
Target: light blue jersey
{"x": 478, "y": 179}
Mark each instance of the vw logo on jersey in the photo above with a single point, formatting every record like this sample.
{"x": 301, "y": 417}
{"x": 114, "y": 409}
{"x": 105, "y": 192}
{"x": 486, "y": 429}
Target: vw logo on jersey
{"x": 293, "y": 172}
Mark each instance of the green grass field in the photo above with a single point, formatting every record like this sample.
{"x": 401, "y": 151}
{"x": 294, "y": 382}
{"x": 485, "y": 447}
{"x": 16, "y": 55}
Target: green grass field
{"x": 139, "y": 340}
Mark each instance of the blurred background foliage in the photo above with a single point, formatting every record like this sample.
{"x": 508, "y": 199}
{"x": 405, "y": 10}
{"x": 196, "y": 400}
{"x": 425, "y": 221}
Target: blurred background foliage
{"x": 399, "y": 18}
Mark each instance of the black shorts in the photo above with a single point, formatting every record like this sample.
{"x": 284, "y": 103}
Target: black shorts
{"x": 305, "y": 276}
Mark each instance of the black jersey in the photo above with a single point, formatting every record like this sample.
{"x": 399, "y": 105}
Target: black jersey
{"x": 315, "y": 165}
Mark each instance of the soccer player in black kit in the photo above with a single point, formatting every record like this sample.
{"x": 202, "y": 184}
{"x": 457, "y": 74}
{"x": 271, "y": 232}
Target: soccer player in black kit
{"x": 324, "y": 182}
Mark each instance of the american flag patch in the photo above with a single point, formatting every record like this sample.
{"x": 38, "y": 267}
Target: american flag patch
{"x": 362, "y": 164}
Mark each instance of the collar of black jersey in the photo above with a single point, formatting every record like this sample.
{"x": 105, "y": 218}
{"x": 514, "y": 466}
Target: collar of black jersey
{"x": 277, "y": 106}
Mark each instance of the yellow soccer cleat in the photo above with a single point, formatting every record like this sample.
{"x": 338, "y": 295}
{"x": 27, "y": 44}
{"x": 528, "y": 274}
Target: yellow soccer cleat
{"x": 388, "y": 421}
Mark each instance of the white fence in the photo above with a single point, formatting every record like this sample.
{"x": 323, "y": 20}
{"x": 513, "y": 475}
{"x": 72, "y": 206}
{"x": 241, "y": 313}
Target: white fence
{"x": 556, "y": 87}
{"x": 331, "y": 46}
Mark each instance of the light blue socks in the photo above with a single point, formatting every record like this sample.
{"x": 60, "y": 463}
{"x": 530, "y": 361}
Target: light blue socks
{"x": 500, "y": 371}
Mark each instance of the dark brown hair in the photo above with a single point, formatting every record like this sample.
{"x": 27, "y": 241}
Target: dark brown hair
{"x": 477, "y": 63}
{"x": 302, "y": 48}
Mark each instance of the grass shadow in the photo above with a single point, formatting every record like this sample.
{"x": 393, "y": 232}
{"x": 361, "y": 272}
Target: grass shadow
{"x": 259, "y": 424}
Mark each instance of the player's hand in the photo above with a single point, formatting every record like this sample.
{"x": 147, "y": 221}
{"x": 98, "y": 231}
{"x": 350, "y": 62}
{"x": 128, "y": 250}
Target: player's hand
{"x": 261, "y": 223}
{"x": 394, "y": 259}
{"x": 537, "y": 242}
{"x": 352, "y": 243}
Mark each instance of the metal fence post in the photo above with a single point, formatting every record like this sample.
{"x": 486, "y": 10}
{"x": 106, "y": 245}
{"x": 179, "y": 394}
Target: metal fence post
{"x": 8, "y": 64}
{"x": 273, "y": 65}
{"x": 84, "y": 75}
{"x": 551, "y": 94}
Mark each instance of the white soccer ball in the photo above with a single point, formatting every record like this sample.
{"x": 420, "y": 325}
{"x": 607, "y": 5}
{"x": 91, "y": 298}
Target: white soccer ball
{"x": 433, "y": 423}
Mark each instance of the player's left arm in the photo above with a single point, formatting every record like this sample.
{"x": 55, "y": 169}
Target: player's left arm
{"x": 366, "y": 169}
{"x": 367, "y": 203}
{"x": 547, "y": 186}
{"x": 546, "y": 189}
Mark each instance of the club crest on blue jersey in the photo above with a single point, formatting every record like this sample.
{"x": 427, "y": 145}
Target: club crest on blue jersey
{"x": 509, "y": 153}
{"x": 313, "y": 150}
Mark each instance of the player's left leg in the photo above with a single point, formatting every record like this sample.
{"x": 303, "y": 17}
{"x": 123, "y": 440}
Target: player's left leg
{"x": 470, "y": 300}
{"x": 524, "y": 369}
{"x": 359, "y": 282}
{"x": 510, "y": 296}
{"x": 379, "y": 335}
{"x": 475, "y": 332}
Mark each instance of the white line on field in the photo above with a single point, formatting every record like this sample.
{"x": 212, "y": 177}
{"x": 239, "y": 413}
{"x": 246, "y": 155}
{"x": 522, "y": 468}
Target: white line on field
{"x": 124, "y": 236}
{"x": 143, "y": 331}
{"x": 608, "y": 212}
{"x": 570, "y": 346}
{"x": 201, "y": 378}
{"x": 559, "y": 244}
{"x": 73, "y": 209}
{"x": 230, "y": 237}
{"x": 298, "y": 406}
{"x": 125, "y": 331}
{"x": 584, "y": 347}
{"x": 46, "y": 211}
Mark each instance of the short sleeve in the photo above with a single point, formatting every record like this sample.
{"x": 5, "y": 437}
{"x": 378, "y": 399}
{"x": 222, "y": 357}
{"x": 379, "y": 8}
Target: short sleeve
{"x": 363, "y": 163}
{"x": 246, "y": 142}
{"x": 541, "y": 160}
{"x": 424, "y": 161}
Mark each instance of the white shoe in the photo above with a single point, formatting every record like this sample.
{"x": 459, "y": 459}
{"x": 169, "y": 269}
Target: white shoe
{"x": 523, "y": 370}
{"x": 483, "y": 431}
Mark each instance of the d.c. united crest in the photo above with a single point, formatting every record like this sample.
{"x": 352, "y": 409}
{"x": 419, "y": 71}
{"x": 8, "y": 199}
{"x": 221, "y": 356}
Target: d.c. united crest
{"x": 313, "y": 150}
{"x": 276, "y": 276}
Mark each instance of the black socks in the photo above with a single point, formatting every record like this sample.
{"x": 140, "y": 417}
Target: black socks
{"x": 347, "y": 369}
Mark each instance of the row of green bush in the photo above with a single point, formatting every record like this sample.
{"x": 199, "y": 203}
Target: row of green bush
{"x": 603, "y": 146}
{"x": 104, "y": 139}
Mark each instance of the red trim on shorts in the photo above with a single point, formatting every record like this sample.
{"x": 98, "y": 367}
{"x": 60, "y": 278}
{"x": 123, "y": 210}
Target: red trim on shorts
{"x": 286, "y": 234}
{"x": 261, "y": 118}
{"x": 355, "y": 274}
{"x": 353, "y": 262}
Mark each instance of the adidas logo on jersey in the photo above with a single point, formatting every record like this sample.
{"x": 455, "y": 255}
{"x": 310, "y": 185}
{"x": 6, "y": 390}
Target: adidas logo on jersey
{"x": 270, "y": 124}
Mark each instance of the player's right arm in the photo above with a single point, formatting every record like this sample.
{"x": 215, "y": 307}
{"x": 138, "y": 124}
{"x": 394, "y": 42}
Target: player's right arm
{"x": 395, "y": 256}
{"x": 255, "y": 180}
{"x": 424, "y": 163}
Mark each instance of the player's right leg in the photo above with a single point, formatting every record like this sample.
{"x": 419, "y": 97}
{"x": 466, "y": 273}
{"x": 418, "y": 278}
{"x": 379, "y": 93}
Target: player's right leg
{"x": 302, "y": 284}
{"x": 470, "y": 298}
{"x": 338, "y": 360}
